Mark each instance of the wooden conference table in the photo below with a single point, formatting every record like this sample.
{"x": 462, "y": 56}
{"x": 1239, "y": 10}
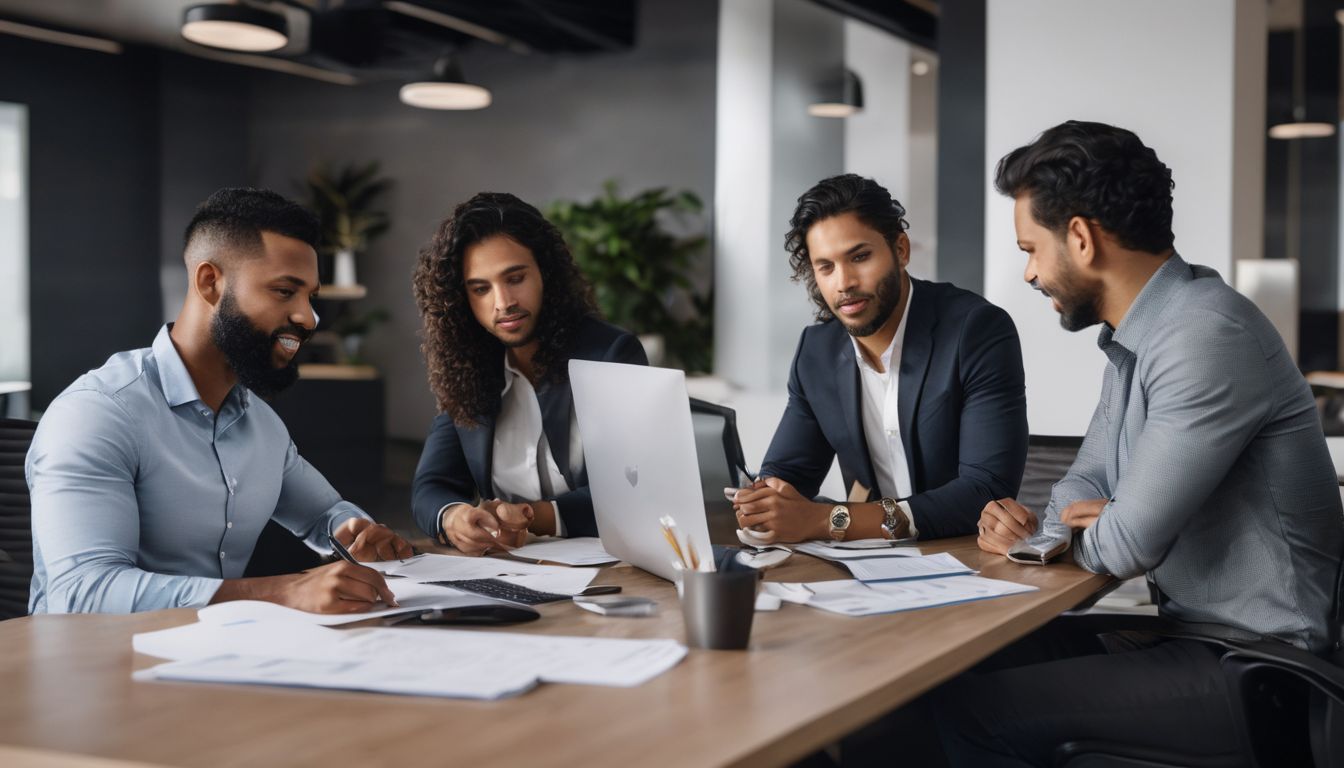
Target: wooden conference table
{"x": 809, "y": 678}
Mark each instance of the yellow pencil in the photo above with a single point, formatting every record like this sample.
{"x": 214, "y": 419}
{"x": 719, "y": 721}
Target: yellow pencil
{"x": 668, "y": 524}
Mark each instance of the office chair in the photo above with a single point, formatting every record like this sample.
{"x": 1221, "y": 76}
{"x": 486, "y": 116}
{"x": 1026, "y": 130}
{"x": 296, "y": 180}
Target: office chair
{"x": 1290, "y": 703}
{"x": 1048, "y": 458}
{"x": 16, "y": 526}
{"x": 718, "y": 448}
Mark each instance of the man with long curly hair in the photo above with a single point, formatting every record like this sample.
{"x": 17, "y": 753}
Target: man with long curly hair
{"x": 916, "y": 386}
{"x": 504, "y": 309}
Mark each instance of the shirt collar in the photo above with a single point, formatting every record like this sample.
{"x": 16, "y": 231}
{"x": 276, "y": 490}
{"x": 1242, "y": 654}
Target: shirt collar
{"x": 178, "y": 388}
{"x": 1143, "y": 314}
{"x": 510, "y": 373}
{"x": 897, "y": 340}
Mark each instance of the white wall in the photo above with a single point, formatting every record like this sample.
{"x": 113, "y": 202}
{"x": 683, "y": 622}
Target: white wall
{"x": 774, "y": 60}
{"x": 893, "y": 140}
{"x": 14, "y": 322}
{"x": 1187, "y": 77}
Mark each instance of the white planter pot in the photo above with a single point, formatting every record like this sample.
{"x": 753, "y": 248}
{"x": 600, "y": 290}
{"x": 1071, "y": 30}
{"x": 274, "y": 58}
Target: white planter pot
{"x": 344, "y": 273}
{"x": 654, "y": 347}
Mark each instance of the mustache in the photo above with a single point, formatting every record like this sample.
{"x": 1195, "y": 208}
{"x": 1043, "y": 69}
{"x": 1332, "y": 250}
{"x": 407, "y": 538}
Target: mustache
{"x": 512, "y": 313}
{"x": 1036, "y": 284}
{"x": 297, "y": 331}
{"x": 856, "y": 296}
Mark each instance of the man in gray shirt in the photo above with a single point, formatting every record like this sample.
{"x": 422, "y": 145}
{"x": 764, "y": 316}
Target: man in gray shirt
{"x": 1204, "y": 467}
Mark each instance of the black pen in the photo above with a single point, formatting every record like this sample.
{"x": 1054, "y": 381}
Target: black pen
{"x": 340, "y": 550}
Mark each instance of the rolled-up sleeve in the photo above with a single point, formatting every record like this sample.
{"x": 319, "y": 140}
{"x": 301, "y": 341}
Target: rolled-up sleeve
{"x": 81, "y": 473}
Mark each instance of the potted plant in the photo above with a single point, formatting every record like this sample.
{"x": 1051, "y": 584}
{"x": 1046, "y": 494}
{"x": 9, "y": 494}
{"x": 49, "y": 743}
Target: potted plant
{"x": 344, "y": 199}
{"x": 640, "y": 271}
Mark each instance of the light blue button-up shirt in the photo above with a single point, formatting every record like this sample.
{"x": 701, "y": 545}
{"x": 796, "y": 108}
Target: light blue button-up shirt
{"x": 144, "y": 498}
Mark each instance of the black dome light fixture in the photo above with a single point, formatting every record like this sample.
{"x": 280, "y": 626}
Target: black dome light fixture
{"x": 447, "y": 88}
{"x": 1298, "y": 126}
{"x": 844, "y": 97}
{"x": 235, "y": 27}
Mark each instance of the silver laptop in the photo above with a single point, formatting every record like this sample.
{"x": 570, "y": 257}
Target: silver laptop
{"x": 639, "y": 450}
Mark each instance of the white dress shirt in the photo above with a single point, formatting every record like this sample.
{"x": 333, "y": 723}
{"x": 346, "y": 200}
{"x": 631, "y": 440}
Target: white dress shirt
{"x": 881, "y": 418}
{"x": 522, "y": 467}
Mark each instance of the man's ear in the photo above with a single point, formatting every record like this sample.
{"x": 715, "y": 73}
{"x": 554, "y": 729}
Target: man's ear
{"x": 1081, "y": 242}
{"x": 901, "y": 250}
{"x": 207, "y": 280}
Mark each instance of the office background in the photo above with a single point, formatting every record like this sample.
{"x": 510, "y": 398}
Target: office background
{"x": 104, "y": 153}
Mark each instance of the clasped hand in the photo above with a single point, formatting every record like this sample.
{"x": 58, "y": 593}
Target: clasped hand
{"x": 1005, "y": 522}
{"x": 492, "y": 525}
{"x": 775, "y": 510}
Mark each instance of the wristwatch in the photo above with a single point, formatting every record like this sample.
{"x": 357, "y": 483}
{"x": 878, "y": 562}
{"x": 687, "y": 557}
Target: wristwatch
{"x": 891, "y": 519}
{"x": 839, "y": 521}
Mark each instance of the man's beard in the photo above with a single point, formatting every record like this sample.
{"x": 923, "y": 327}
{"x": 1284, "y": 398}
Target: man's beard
{"x": 887, "y": 298}
{"x": 250, "y": 350}
{"x": 1078, "y": 306}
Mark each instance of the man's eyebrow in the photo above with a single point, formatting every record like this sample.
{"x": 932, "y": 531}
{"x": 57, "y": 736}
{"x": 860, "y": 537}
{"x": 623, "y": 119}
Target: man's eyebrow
{"x": 856, "y": 248}
{"x": 293, "y": 280}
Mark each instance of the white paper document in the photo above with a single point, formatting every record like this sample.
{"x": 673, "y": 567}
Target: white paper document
{"x": 411, "y": 595}
{"x": 583, "y": 550}
{"x": 902, "y": 568}
{"x": 436, "y": 662}
{"x": 855, "y": 598}
{"x": 429, "y": 567}
{"x": 855, "y": 550}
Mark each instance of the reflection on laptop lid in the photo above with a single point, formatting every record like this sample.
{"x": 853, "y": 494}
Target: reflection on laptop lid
{"x": 639, "y": 449}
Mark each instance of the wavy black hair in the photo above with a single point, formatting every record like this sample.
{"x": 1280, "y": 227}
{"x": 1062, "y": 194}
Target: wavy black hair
{"x": 847, "y": 193}
{"x": 465, "y": 361}
{"x": 1096, "y": 171}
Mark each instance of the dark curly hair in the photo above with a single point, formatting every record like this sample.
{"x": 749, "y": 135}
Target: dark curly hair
{"x": 465, "y": 361}
{"x": 1096, "y": 171}
{"x": 847, "y": 193}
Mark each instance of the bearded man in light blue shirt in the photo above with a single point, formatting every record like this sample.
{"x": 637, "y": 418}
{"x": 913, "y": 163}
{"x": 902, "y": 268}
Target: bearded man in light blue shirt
{"x": 152, "y": 476}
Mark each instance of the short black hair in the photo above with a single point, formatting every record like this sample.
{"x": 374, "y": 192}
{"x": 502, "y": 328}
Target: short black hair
{"x": 234, "y": 218}
{"x": 846, "y": 193}
{"x": 1096, "y": 171}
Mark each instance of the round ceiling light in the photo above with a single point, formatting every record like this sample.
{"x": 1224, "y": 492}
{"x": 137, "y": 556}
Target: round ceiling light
{"x": 446, "y": 89}
{"x": 235, "y": 28}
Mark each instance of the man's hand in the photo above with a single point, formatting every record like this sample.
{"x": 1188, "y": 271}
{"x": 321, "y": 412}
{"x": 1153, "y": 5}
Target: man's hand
{"x": 369, "y": 541}
{"x": 774, "y": 507}
{"x": 475, "y": 530}
{"x": 1080, "y": 515}
{"x": 514, "y": 521}
{"x": 1002, "y": 524}
{"x": 339, "y": 587}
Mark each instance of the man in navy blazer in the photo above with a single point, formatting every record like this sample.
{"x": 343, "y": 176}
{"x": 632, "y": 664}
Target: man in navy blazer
{"x": 504, "y": 309}
{"x": 916, "y": 386}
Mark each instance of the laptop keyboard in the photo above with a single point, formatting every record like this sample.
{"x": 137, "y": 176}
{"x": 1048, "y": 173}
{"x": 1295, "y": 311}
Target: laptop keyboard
{"x": 503, "y": 590}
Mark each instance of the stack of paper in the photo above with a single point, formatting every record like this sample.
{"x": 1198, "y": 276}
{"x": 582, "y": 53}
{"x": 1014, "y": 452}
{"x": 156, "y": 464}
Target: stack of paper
{"x": 543, "y": 578}
{"x": 854, "y": 550}
{"x": 254, "y": 646}
{"x": 855, "y": 598}
{"x": 582, "y": 550}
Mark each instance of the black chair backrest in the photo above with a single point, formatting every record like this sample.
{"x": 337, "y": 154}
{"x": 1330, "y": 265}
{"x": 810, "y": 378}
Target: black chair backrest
{"x": 1048, "y": 458}
{"x": 717, "y": 447}
{"x": 16, "y": 528}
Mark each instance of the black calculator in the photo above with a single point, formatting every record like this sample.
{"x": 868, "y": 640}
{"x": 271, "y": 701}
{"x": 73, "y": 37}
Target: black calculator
{"x": 503, "y": 590}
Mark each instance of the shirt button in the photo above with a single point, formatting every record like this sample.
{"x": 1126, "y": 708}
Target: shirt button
{"x": 221, "y": 555}
{"x": 893, "y": 432}
{"x": 228, "y": 525}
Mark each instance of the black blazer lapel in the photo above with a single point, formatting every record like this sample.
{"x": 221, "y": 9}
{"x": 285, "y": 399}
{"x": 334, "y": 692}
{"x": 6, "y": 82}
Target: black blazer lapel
{"x": 557, "y": 403}
{"x": 916, "y": 350}
{"x": 478, "y": 445}
{"x": 849, "y": 391}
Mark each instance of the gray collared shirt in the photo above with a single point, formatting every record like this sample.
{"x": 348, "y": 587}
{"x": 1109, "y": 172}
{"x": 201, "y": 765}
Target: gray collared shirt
{"x": 144, "y": 498}
{"x": 1209, "y": 447}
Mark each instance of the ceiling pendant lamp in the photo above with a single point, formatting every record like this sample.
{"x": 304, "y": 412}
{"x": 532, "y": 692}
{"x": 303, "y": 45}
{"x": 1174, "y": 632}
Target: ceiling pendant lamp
{"x": 445, "y": 89}
{"x": 844, "y": 98}
{"x": 1298, "y": 126}
{"x": 235, "y": 27}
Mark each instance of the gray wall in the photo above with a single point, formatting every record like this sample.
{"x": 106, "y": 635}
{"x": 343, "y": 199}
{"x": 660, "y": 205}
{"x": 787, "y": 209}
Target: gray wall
{"x": 558, "y": 127}
{"x": 93, "y": 204}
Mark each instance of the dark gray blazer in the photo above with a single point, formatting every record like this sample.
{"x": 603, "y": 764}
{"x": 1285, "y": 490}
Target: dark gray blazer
{"x": 456, "y": 463}
{"x": 963, "y": 410}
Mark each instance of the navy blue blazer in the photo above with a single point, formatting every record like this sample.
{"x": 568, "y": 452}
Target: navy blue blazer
{"x": 456, "y": 463}
{"x": 962, "y": 409}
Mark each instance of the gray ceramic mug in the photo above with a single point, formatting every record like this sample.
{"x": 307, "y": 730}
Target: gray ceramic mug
{"x": 718, "y": 606}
